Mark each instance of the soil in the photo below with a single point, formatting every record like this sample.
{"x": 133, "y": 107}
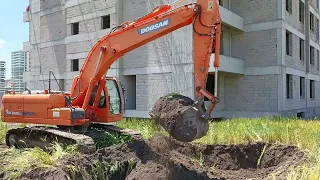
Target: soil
{"x": 164, "y": 158}
{"x": 180, "y": 117}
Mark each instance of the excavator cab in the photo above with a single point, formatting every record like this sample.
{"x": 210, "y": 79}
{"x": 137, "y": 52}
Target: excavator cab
{"x": 107, "y": 99}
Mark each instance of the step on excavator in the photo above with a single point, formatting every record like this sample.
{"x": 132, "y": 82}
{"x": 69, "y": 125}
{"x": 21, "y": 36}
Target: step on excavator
{"x": 95, "y": 101}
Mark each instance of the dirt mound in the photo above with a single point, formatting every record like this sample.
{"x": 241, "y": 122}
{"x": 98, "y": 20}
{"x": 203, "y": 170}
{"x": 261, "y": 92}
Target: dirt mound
{"x": 164, "y": 158}
{"x": 180, "y": 117}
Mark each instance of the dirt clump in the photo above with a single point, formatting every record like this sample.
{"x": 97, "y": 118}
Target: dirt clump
{"x": 180, "y": 116}
{"x": 43, "y": 173}
{"x": 165, "y": 158}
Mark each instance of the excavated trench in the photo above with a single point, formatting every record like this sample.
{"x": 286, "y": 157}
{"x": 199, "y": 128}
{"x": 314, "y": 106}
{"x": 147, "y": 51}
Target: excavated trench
{"x": 164, "y": 158}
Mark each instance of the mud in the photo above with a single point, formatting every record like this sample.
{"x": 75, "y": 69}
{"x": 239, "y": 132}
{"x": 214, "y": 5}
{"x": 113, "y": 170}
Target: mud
{"x": 180, "y": 117}
{"x": 165, "y": 158}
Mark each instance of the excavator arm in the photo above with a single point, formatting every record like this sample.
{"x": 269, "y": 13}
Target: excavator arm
{"x": 205, "y": 19}
{"x": 92, "y": 94}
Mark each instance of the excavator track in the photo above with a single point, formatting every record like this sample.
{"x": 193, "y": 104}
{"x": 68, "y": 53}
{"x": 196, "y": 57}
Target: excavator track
{"x": 44, "y": 137}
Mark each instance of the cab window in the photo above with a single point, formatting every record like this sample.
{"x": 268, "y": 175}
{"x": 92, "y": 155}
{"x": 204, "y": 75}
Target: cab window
{"x": 114, "y": 97}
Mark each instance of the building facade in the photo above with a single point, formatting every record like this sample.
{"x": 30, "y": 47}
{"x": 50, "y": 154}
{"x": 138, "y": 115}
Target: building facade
{"x": 2, "y": 76}
{"x": 18, "y": 67}
{"x": 269, "y": 54}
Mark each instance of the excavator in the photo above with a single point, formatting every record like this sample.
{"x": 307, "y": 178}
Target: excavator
{"x": 95, "y": 100}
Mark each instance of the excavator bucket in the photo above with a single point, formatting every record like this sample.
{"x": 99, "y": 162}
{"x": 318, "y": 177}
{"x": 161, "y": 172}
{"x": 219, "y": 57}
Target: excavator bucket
{"x": 180, "y": 116}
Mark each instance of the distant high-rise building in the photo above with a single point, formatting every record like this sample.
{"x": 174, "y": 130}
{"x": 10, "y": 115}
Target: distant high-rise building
{"x": 2, "y": 76}
{"x": 18, "y": 66}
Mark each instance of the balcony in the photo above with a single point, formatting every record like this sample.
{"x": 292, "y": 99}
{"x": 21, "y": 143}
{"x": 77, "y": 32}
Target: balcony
{"x": 231, "y": 19}
{"x": 228, "y": 64}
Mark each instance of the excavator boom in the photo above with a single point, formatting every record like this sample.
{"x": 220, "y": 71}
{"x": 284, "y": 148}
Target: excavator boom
{"x": 95, "y": 98}
{"x": 206, "y": 24}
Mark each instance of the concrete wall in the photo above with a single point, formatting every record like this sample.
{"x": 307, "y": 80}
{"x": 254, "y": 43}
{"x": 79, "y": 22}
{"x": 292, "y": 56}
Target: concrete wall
{"x": 309, "y": 106}
{"x": 297, "y": 67}
{"x": 293, "y": 60}
{"x": 293, "y": 18}
{"x": 52, "y": 27}
{"x": 297, "y": 102}
{"x": 54, "y": 46}
{"x": 315, "y": 4}
{"x": 256, "y": 48}
{"x": 47, "y": 28}
{"x": 256, "y": 11}
{"x": 251, "y": 93}
{"x": 53, "y": 58}
{"x": 172, "y": 51}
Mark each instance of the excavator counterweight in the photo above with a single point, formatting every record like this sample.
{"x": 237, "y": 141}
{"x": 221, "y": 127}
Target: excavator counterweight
{"x": 97, "y": 99}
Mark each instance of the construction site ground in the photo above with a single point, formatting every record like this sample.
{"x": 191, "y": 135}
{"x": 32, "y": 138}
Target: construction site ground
{"x": 161, "y": 157}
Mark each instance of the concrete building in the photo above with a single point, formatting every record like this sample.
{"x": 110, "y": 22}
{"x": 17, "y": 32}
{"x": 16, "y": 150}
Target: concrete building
{"x": 269, "y": 54}
{"x": 2, "y": 76}
{"x": 18, "y": 67}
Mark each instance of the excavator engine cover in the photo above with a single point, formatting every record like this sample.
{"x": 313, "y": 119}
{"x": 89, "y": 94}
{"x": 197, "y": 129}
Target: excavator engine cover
{"x": 180, "y": 117}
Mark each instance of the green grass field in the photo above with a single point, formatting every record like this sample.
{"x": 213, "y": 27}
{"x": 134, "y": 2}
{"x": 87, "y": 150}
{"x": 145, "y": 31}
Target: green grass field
{"x": 303, "y": 133}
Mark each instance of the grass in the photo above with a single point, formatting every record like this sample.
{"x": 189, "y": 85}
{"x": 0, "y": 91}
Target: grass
{"x": 146, "y": 127}
{"x": 308, "y": 171}
{"x": 4, "y": 127}
{"x": 281, "y": 130}
{"x": 3, "y": 130}
{"x": 302, "y": 133}
{"x": 111, "y": 138}
{"x": 18, "y": 161}
{"x": 106, "y": 171}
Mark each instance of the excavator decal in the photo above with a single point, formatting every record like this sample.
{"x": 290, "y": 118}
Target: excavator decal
{"x": 154, "y": 27}
{"x": 7, "y": 112}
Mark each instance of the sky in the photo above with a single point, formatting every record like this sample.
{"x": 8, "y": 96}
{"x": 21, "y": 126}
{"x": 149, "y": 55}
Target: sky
{"x": 13, "y": 31}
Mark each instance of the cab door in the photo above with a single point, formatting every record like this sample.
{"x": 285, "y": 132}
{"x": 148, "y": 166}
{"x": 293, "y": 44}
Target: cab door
{"x": 111, "y": 102}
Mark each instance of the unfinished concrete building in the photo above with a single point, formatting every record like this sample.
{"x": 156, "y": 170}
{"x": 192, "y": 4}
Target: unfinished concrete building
{"x": 269, "y": 54}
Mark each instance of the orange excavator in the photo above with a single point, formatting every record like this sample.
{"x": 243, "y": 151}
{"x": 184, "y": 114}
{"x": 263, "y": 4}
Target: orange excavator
{"x": 95, "y": 99}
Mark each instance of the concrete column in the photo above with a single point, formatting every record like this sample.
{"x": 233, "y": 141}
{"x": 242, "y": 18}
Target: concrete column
{"x": 119, "y": 20}
{"x": 307, "y": 44}
{"x": 281, "y": 35}
{"x": 307, "y": 35}
{"x": 119, "y": 62}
